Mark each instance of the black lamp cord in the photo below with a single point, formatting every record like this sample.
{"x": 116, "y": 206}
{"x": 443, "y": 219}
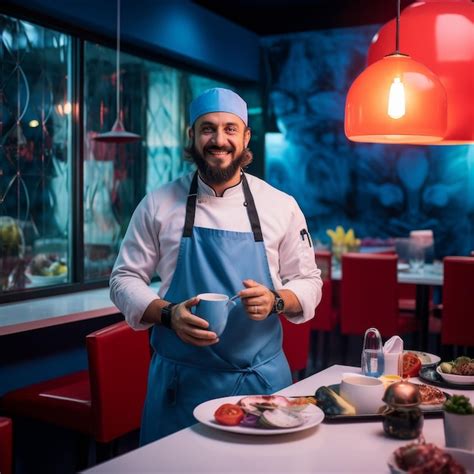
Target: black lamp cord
{"x": 397, "y": 30}
{"x": 118, "y": 62}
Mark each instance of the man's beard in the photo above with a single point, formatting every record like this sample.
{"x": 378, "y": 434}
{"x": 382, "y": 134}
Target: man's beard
{"x": 213, "y": 174}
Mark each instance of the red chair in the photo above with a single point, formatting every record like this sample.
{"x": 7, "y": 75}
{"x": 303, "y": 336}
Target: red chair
{"x": 296, "y": 345}
{"x": 104, "y": 402}
{"x": 369, "y": 296}
{"x": 457, "y": 321}
{"x": 6, "y": 445}
{"x": 406, "y": 291}
{"x": 325, "y": 316}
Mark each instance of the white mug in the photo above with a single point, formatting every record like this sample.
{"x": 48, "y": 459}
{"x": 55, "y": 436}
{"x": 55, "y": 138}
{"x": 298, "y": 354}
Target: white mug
{"x": 362, "y": 392}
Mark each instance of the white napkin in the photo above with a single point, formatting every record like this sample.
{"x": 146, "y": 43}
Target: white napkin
{"x": 392, "y": 352}
{"x": 394, "y": 344}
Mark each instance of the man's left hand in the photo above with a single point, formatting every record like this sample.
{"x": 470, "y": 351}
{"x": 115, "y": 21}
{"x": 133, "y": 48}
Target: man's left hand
{"x": 257, "y": 299}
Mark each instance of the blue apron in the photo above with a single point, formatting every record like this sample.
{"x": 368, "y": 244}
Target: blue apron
{"x": 248, "y": 359}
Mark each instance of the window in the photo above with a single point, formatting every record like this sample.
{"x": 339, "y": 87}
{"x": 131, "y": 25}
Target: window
{"x": 154, "y": 101}
{"x": 35, "y": 155}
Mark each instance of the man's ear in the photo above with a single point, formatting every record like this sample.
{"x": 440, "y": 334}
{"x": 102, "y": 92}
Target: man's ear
{"x": 190, "y": 133}
{"x": 247, "y": 136}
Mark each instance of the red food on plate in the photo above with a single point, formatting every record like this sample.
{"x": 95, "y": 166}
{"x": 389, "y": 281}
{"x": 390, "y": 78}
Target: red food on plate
{"x": 411, "y": 365}
{"x": 229, "y": 414}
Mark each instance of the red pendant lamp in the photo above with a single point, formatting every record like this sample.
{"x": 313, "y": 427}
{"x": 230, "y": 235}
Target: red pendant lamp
{"x": 396, "y": 100}
{"x": 440, "y": 34}
{"x": 118, "y": 134}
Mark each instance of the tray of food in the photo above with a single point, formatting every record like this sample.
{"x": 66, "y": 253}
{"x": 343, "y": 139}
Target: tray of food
{"x": 336, "y": 408}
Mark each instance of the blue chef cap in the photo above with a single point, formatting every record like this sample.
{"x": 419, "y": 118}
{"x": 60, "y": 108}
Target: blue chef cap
{"x": 218, "y": 100}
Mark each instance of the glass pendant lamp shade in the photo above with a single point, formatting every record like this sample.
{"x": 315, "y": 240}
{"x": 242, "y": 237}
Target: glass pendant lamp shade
{"x": 117, "y": 134}
{"x": 396, "y": 100}
{"x": 440, "y": 35}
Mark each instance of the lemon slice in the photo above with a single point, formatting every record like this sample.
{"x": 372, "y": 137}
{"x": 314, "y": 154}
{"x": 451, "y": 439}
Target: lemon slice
{"x": 389, "y": 379}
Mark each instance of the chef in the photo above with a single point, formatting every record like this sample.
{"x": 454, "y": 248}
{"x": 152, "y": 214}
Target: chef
{"x": 217, "y": 230}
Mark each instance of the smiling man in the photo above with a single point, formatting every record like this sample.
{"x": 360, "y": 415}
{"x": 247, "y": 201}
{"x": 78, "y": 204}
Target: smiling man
{"x": 217, "y": 230}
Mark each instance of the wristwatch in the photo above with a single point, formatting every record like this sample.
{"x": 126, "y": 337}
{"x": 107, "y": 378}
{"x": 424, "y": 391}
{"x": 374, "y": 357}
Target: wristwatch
{"x": 166, "y": 315}
{"x": 278, "y": 303}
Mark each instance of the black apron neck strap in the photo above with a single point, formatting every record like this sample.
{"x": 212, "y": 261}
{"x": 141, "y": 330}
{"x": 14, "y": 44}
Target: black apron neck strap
{"x": 251, "y": 211}
{"x": 191, "y": 207}
{"x": 249, "y": 205}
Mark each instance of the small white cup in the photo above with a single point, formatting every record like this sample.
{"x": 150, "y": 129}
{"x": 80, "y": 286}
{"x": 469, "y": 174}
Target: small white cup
{"x": 393, "y": 363}
{"x": 362, "y": 392}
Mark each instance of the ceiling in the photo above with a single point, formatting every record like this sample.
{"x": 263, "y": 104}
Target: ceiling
{"x": 274, "y": 17}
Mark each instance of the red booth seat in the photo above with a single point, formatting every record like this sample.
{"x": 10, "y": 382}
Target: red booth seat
{"x": 6, "y": 445}
{"x": 105, "y": 401}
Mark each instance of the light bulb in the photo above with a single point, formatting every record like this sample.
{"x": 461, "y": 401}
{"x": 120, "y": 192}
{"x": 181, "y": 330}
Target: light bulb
{"x": 396, "y": 99}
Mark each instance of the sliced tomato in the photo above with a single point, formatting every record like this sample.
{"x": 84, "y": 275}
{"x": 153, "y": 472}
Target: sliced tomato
{"x": 411, "y": 365}
{"x": 229, "y": 414}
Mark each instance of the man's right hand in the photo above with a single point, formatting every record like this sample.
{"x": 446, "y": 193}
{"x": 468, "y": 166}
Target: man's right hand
{"x": 191, "y": 328}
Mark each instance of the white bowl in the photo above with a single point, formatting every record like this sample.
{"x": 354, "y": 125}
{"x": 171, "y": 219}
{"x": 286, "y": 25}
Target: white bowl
{"x": 456, "y": 379}
{"x": 462, "y": 456}
{"x": 362, "y": 392}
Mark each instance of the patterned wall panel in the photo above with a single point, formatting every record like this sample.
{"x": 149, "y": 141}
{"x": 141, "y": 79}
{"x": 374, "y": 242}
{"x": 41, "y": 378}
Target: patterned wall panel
{"x": 382, "y": 191}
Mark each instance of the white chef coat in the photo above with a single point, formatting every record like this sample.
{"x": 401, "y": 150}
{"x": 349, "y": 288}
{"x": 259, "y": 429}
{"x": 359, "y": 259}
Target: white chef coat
{"x": 151, "y": 243}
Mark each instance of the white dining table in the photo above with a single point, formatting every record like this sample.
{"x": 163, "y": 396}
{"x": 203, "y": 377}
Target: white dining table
{"x": 330, "y": 447}
{"x": 429, "y": 275}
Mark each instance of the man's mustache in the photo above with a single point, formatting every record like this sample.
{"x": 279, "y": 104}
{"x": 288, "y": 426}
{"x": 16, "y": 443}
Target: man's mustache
{"x": 227, "y": 149}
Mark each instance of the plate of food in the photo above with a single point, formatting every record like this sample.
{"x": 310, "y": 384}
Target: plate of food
{"x": 260, "y": 414}
{"x": 47, "y": 269}
{"x": 432, "y": 398}
{"x": 460, "y": 371}
{"x": 433, "y": 376}
{"x": 425, "y": 357}
{"x": 427, "y": 457}
{"x": 336, "y": 408}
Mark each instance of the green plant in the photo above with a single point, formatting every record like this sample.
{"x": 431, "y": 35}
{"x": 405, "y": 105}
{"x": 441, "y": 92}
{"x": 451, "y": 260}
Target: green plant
{"x": 459, "y": 404}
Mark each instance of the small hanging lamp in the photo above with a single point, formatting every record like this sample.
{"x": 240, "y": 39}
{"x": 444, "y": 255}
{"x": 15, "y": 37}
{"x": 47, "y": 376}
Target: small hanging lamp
{"x": 118, "y": 134}
{"x": 396, "y": 100}
{"x": 447, "y": 48}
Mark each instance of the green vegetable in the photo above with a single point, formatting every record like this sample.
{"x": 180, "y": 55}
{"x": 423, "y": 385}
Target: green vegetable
{"x": 459, "y": 404}
{"x": 332, "y": 403}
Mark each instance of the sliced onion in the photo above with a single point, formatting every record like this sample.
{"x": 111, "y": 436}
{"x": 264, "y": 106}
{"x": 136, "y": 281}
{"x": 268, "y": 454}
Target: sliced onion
{"x": 250, "y": 420}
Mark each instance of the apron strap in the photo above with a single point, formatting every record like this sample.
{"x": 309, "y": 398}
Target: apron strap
{"x": 252, "y": 211}
{"x": 191, "y": 208}
{"x": 249, "y": 205}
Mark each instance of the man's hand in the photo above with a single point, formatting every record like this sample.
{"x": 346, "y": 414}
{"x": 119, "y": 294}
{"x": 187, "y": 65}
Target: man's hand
{"x": 189, "y": 327}
{"x": 257, "y": 299}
